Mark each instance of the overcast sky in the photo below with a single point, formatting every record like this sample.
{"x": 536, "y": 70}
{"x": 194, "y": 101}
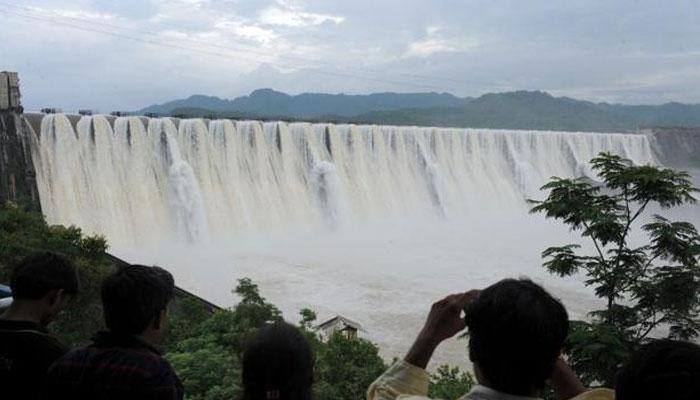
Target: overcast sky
{"x": 127, "y": 54}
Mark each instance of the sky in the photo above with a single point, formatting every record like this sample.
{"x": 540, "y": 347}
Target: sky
{"x": 127, "y": 54}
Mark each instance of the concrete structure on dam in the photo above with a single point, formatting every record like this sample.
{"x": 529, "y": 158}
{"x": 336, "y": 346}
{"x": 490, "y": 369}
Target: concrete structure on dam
{"x": 17, "y": 177}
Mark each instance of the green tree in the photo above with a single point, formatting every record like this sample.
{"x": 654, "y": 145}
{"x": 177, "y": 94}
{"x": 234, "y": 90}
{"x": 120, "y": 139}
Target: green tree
{"x": 345, "y": 368}
{"x": 646, "y": 288}
{"x": 24, "y": 231}
{"x": 207, "y": 353}
{"x": 449, "y": 383}
{"x": 208, "y": 370}
{"x": 185, "y": 317}
{"x": 308, "y": 317}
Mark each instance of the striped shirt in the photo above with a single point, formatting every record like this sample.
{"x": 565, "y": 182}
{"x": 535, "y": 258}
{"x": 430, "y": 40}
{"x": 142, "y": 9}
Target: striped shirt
{"x": 114, "y": 367}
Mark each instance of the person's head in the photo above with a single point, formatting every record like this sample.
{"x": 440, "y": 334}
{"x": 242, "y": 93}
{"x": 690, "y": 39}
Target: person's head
{"x": 278, "y": 365}
{"x": 135, "y": 301}
{"x": 516, "y": 332}
{"x": 662, "y": 369}
{"x": 44, "y": 282}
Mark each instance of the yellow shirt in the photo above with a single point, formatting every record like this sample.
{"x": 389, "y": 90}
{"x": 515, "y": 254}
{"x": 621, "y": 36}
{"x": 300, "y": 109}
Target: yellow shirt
{"x": 403, "y": 381}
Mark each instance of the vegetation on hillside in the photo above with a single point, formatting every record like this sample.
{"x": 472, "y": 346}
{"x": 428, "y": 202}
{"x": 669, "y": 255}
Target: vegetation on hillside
{"x": 648, "y": 289}
{"x": 512, "y": 110}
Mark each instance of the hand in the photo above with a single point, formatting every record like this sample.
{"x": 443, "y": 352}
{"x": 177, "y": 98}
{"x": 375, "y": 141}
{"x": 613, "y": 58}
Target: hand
{"x": 444, "y": 321}
{"x": 445, "y": 318}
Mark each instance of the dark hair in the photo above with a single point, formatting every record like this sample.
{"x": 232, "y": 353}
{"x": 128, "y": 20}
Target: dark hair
{"x": 278, "y": 364}
{"x": 133, "y": 296}
{"x": 39, "y": 273}
{"x": 662, "y": 369}
{"x": 516, "y": 331}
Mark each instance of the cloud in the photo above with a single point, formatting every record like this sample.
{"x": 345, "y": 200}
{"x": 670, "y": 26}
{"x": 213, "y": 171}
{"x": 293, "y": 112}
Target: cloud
{"x": 247, "y": 31}
{"x": 296, "y": 19}
{"x": 436, "y": 41}
{"x": 129, "y": 53}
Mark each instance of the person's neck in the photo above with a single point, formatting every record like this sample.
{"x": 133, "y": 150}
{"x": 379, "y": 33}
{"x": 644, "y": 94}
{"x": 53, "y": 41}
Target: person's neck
{"x": 149, "y": 337}
{"x": 484, "y": 382}
{"x": 533, "y": 394}
{"x": 22, "y": 310}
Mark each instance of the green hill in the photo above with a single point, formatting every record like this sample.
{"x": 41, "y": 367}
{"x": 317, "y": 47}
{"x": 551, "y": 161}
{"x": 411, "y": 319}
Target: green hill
{"x": 511, "y": 110}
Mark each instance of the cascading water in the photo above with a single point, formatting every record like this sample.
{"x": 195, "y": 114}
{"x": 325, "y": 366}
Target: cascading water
{"x": 137, "y": 184}
{"x": 326, "y": 186}
{"x": 185, "y": 196}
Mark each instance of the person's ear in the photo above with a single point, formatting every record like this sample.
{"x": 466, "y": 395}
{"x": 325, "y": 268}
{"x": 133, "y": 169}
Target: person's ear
{"x": 159, "y": 320}
{"x": 56, "y": 298}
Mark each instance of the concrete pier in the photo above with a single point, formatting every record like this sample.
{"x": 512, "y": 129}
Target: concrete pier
{"x": 17, "y": 176}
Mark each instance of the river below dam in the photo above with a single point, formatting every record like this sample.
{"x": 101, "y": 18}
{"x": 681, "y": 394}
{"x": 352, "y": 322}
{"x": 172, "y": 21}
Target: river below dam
{"x": 370, "y": 222}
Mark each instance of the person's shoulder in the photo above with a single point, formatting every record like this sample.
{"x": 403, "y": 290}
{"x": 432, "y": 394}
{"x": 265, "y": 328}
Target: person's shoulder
{"x": 31, "y": 335}
{"x": 148, "y": 362}
{"x": 596, "y": 394}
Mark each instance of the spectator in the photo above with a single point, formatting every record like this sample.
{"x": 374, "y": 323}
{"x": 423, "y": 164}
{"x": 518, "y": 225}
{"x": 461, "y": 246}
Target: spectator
{"x": 278, "y": 365}
{"x": 123, "y": 363}
{"x": 516, "y": 332}
{"x": 41, "y": 286}
{"x": 662, "y": 369}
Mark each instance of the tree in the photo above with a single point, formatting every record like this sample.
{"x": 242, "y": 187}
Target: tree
{"x": 308, "y": 316}
{"x": 449, "y": 383}
{"x": 24, "y": 231}
{"x": 185, "y": 318}
{"x": 646, "y": 288}
{"x": 207, "y": 353}
{"x": 345, "y": 368}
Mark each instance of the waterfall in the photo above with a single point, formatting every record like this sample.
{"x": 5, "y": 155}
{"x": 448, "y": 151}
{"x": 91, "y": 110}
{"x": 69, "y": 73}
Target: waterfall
{"x": 184, "y": 194}
{"x": 326, "y": 186}
{"x": 138, "y": 180}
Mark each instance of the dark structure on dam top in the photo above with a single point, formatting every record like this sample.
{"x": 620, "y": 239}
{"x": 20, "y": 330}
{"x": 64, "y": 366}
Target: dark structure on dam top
{"x": 17, "y": 177}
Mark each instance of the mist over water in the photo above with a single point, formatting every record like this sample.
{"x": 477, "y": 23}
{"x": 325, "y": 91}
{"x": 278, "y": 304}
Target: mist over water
{"x": 371, "y": 222}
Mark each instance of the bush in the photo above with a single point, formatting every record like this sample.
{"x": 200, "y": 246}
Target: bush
{"x": 449, "y": 383}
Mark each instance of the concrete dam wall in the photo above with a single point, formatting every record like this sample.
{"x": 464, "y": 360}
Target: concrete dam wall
{"x": 17, "y": 177}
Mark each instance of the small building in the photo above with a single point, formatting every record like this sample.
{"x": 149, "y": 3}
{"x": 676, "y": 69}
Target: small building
{"x": 51, "y": 110}
{"x": 345, "y": 326}
{"x": 85, "y": 112}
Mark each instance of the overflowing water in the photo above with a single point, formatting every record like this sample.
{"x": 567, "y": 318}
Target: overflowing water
{"x": 373, "y": 222}
{"x": 139, "y": 184}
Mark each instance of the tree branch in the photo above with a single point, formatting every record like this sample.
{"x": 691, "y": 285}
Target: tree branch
{"x": 597, "y": 247}
{"x": 650, "y": 328}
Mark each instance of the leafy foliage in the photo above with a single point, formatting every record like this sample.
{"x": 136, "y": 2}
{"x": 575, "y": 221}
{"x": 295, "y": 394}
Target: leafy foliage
{"x": 346, "y": 367}
{"x": 23, "y": 231}
{"x": 449, "y": 383}
{"x": 647, "y": 288}
{"x": 207, "y": 355}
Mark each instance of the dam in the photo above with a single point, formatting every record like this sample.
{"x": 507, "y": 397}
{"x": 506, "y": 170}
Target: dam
{"x": 372, "y": 222}
{"x": 139, "y": 181}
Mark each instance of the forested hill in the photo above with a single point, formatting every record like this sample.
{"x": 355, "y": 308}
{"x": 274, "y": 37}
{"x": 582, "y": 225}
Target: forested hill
{"x": 267, "y": 102}
{"x": 511, "y": 110}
